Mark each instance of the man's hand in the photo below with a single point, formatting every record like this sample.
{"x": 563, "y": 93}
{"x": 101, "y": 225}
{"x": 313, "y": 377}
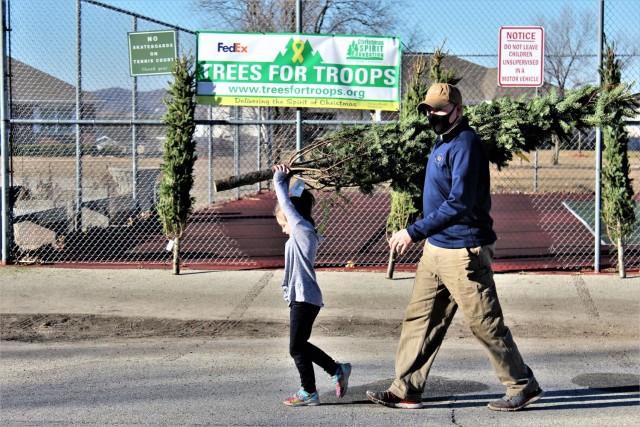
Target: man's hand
{"x": 400, "y": 241}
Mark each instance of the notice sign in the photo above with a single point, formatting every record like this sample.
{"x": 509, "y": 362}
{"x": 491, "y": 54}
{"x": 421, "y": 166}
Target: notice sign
{"x": 298, "y": 70}
{"x": 521, "y": 56}
{"x": 151, "y": 52}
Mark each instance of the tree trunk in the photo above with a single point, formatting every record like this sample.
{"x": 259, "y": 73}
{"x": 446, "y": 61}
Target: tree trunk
{"x": 391, "y": 264}
{"x": 242, "y": 180}
{"x": 580, "y": 142}
{"x": 556, "y": 150}
{"x": 621, "y": 268}
{"x": 176, "y": 255}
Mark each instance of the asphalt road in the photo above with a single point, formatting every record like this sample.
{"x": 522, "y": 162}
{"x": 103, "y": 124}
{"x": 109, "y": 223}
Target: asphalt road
{"x": 579, "y": 333}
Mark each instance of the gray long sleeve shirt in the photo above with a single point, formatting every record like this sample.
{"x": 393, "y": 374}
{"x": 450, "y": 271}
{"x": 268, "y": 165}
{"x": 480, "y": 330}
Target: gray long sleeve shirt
{"x": 299, "y": 282}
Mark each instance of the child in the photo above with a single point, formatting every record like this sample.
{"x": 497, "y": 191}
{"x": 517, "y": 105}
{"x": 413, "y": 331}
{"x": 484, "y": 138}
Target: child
{"x": 302, "y": 292}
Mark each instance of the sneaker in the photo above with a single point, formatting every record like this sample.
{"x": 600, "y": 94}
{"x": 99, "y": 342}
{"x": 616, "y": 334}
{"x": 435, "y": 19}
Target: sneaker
{"x": 341, "y": 379}
{"x": 302, "y": 398}
{"x": 515, "y": 403}
{"x": 389, "y": 399}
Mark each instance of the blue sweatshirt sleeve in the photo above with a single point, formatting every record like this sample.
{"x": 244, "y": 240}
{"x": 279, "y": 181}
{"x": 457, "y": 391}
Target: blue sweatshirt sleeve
{"x": 457, "y": 195}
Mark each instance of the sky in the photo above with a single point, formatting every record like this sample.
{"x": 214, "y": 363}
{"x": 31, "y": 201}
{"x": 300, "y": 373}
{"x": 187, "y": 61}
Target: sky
{"x": 44, "y": 31}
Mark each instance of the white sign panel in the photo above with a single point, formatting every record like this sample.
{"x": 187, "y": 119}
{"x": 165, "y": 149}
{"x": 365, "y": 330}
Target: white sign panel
{"x": 521, "y": 56}
{"x": 298, "y": 70}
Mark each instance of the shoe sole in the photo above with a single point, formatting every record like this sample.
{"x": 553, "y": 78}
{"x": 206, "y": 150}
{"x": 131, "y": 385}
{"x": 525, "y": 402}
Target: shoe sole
{"x": 528, "y": 402}
{"x": 316, "y": 403}
{"x": 346, "y": 381}
{"x": 395, "y": 405}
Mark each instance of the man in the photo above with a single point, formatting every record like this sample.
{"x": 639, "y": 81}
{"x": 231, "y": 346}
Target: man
{"x": 455, "y": 267}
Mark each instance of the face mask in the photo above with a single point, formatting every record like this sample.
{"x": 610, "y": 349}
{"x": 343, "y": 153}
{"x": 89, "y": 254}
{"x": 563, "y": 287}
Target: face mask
{"x": 440, "y": 124}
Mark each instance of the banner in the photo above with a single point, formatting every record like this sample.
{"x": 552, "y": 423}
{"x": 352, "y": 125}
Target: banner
{"x": 298, "y": 70}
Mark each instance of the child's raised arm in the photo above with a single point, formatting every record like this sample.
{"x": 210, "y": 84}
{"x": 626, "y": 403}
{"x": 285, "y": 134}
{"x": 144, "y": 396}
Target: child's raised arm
{"x": 281, "y": 177}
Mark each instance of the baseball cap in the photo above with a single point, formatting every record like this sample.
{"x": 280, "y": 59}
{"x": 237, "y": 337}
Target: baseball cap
{"x": 439, "y": 95}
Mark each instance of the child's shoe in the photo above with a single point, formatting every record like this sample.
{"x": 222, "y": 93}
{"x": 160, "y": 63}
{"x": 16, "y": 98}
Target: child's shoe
{"x": 341, "y": 379}
{"x": 302, "y": 398}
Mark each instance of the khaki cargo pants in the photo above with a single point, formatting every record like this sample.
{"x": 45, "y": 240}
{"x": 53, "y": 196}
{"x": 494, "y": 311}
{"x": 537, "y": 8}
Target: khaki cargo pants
{"x": 445, "y": 280}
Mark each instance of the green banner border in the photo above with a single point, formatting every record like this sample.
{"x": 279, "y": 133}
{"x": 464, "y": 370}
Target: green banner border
{"x": 301, "y": 102}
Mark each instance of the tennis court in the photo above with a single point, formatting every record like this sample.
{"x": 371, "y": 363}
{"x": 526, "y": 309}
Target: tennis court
{"x": 585, "y": 212}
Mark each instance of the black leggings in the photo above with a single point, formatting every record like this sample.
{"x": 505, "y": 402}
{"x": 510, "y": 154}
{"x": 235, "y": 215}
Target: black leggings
{"x": 303, "y": 352}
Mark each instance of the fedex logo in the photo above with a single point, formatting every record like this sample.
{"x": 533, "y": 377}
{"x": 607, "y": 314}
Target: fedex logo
{"x": 236, "y": 47}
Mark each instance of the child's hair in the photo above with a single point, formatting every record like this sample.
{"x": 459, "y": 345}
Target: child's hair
{"x": 303, "y": 204}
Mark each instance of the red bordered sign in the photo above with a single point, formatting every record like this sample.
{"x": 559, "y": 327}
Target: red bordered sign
{"x": 521, "y": 57}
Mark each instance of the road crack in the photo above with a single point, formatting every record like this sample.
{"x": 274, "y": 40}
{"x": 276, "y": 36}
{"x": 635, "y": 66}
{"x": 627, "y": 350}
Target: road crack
{"x": 585, "y": 297}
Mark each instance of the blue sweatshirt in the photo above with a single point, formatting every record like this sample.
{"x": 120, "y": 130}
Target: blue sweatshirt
{"x": 299, "y": 281}
{"x": 456, "y": 196}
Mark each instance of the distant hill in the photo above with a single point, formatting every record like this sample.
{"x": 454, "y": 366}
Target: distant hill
{"x": 117, "y": 101}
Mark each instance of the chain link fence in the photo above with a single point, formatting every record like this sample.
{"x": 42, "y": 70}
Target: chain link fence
{"x": 85, "y": 138}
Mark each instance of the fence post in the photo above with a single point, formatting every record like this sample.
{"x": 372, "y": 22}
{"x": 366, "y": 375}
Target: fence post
{"x": 77, "y": 224}
{"x": 236, "y": 147}
{"x": 269, "y": 142}
{"x": 210, "y": 153}
{"x": 134, "y": 134}
{"x": 597, "y": 201}
{"x": 259, "y": 153}
{"x": 535, "y": 172}
{"x": 298, "y": 109}
{"x": 4, "y": 149}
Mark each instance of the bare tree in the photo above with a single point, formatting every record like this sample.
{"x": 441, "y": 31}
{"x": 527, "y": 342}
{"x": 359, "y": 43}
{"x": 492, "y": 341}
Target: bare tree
{"x": 318, "y": 16}
{"x": 568, "y": 61}
{"x": 413, "y": 38}
{"x": 570, "y": 39}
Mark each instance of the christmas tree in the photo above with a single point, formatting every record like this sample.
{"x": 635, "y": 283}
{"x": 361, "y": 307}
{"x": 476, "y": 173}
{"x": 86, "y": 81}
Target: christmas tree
{"x": 178, "y": 156}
